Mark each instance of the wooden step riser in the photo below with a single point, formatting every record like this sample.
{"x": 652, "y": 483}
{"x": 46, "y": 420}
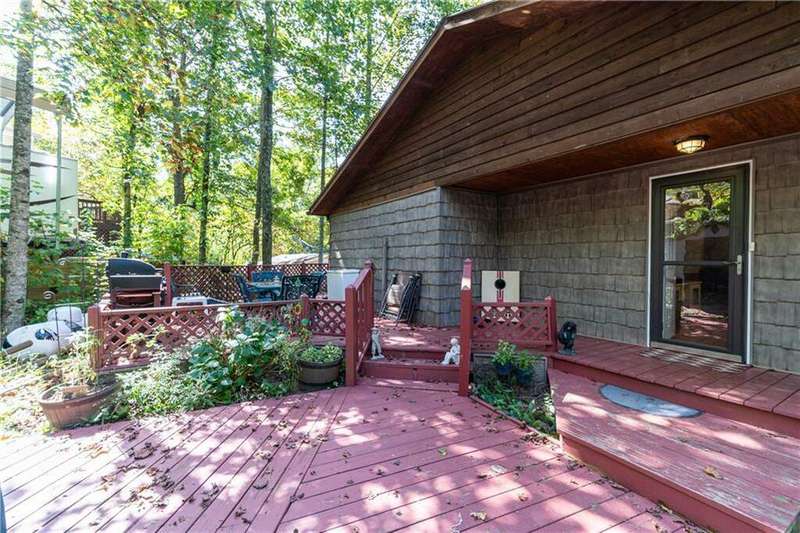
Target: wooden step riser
{"x": 410, "y": 353}
{"x": 658, "y": 489}
{"x": 386, "y": 370}
{"x": 755, "y": 417}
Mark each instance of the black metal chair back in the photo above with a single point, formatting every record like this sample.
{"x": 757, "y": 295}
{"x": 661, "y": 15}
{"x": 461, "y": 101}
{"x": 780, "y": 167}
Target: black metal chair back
{"x": 295, "y": 286}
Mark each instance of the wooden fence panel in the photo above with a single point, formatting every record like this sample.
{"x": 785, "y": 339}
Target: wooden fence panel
{"x": 217, "y": 281}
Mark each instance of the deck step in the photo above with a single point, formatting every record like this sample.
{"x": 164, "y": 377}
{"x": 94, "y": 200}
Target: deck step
{"x": 410, "y": 369}
{"x": 720, "y": 473}
{"x": 765, "y": 398}
{"x": 409, "y": 384}
{"x": 429, "y": 353}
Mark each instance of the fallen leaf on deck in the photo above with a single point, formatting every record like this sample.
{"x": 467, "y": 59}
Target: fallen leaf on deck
{"x": 712, "y": 472}
{"x": 478, "y": 515}
{"x": 442, "y": 451}
{"x": 499, "y": 469}
{"x": 522, "y": 497}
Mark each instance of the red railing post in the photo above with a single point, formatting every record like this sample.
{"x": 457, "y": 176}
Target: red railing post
{"x": 370, "y": 300}
{"x": 167, "y": 284}
{"x": 552, "y": 322}
{"x": 249, "y": 271}
{"x": 96, "y": 329}
{"x": 350, "y": 335}
{"x": 305, "y": 309}
{"x": 465, "y": 329}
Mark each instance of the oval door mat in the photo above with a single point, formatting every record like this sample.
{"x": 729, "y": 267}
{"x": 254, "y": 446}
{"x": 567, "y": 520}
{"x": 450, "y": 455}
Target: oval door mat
{"x": 646, "y": 404}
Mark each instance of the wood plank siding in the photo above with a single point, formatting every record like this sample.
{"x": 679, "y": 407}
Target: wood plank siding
{"x": 583, "y": 80}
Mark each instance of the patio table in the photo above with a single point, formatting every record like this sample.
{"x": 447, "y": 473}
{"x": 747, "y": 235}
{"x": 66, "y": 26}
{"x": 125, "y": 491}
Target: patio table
{"x": 261, "y": 287}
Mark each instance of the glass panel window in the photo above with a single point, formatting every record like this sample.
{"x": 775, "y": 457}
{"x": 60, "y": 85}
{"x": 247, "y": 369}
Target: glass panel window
{"x": 695, "y": 305}
{"x": 697, "y": 222}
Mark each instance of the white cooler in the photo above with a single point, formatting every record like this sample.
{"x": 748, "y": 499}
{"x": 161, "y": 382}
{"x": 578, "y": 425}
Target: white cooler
{"x": 338, "y": 280}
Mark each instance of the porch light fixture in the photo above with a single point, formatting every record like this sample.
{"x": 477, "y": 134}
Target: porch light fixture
{"x": 692, "y": 144}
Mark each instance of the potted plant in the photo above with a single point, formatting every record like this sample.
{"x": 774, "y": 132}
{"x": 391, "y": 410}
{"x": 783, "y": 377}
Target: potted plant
{"x": 320, "y": 364}
{"x": 523, "y": 368}
{"x": 503, "y": 358}
{"x": 78, "y": 393}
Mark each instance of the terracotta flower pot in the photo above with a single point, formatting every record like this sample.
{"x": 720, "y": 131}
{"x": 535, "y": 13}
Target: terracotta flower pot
{"x": 319, "y": 373}
{"x": 76, "y": 410}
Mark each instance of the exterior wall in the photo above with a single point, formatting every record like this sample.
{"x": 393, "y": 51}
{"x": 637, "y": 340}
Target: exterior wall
{"x": 585, "y": 242}
{"x": 430, "y": 233}
{"x": 469, "y": 229}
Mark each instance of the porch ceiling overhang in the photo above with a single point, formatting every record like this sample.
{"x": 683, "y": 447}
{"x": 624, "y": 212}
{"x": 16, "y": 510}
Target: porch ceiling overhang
{"x": 451, "y": 41}
{"x": 770, "y": 117}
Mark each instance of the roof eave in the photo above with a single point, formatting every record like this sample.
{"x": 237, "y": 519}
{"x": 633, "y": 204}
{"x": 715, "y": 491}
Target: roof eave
{"x": 457, "y": 20}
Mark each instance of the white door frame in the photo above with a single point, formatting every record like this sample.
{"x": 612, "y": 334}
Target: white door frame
{"x": 751, "y": 247}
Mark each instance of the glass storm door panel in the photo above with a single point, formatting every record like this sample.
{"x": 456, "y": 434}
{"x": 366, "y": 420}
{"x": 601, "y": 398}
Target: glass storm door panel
{"x": 698, "y": 260}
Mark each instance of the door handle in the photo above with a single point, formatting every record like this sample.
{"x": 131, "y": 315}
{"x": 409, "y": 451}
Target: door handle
{"x": 739, "y": 265}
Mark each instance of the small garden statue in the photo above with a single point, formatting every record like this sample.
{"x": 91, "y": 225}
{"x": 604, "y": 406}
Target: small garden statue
{"x": 569, "y": 330}
{"x": 377, "y": 351}
{"x": 453, "y": 356}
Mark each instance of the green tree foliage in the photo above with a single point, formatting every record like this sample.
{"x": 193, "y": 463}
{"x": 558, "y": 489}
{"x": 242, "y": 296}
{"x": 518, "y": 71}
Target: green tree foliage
{"x": 209, "y": 125}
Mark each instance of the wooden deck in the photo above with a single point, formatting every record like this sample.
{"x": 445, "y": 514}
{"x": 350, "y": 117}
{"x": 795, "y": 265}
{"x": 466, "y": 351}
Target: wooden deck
{"x": 366, "y": 458}
{"x": 757, "y": 396}
{"x": 402, "y": 339}
{"x": 727, "y": 475}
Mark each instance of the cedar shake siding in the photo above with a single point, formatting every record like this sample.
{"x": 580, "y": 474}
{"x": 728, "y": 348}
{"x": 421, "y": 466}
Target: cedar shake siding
{"x": 525, "y": 135}
{"x": 584, "y": 241}
{"x": 429, "y": 233}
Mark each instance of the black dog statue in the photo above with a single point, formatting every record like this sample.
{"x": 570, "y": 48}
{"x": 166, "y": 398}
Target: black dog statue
{"x": 567, "y": 337}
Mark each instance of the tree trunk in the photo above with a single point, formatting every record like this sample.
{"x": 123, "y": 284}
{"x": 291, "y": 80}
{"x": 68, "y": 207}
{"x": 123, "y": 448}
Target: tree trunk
{"x": 257, "y": 224}
{"x": 265, "y": 133}
{"x": 16, "y": 264}
{"x": 127, "y": 182}
{"x": 368, "y": 70}
{"x": 205, "y": 179}
{"x": 179, "y": 161}
{"x": 323, "y": 157}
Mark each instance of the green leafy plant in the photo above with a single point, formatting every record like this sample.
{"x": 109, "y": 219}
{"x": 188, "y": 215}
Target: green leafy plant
{"x": 538, "y": 413}
{"x": 160, "y": 388}
{"x": 321, "y": 355}
{"x": 505, "y": 354}
{"x": 75, "y": 366}
{"x": 208, "y": 370}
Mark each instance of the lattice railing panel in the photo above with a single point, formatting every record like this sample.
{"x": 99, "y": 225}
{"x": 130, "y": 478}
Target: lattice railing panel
{"x": 327, "y": 317}
{"x": 171, "y": 327}
{"x": 524, "y": 324}
{"x": 214, "y": 281}
{"x": 217, "y": 281}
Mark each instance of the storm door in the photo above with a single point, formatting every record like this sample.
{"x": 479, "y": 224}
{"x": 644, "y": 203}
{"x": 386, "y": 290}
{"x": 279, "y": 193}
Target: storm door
{"x": 698, "y": 260}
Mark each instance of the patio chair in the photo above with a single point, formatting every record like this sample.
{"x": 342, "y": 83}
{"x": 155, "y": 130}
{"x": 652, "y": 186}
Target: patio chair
{"x": 402, "y": 297}
{"x": 249, "y": 294}
{"x": 295, "y": 286}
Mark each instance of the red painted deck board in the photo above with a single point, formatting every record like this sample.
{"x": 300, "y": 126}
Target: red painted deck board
{"x": 763, "y": 493}
{"x": 274, "y": 465}
{"x": 734, "y": 383}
